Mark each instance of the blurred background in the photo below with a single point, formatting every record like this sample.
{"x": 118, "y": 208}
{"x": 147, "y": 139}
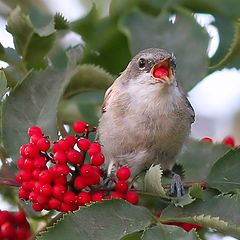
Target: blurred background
{"x": 204, "y": 36}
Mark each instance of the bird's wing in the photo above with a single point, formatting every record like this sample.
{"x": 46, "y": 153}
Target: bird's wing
{"x": 191, "y": 109}
{"x": 107, "y": 96}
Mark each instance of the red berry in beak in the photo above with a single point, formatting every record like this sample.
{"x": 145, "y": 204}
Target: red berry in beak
{"x": 159, "y": 72}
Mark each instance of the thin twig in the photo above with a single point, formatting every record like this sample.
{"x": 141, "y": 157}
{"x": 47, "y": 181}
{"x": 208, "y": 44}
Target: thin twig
{"x": 9, "y": 182}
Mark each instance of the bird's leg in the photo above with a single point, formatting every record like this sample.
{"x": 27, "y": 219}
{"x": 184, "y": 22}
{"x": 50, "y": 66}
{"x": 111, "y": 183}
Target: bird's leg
{"x": 177, "y": 188}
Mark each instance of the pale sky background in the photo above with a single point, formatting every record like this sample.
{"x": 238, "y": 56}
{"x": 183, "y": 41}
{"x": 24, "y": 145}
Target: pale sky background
{"x": 216, "y": 99}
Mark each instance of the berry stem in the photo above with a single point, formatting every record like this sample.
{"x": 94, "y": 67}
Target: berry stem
{"x": 9, "y": 182}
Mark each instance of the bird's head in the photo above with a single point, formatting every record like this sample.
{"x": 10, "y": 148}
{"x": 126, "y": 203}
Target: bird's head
{"x": 152, "y": 66}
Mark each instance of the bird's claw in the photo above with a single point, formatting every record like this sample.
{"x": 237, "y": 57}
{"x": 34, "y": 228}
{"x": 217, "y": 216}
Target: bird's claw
{"x": 177, "y": 188}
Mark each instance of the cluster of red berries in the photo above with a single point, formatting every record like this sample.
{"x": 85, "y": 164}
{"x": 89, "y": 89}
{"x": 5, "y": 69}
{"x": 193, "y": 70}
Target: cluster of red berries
{"x": 14, "y": 226}
{"x": 58, "y": 177}
{"x": 228, "y": 141}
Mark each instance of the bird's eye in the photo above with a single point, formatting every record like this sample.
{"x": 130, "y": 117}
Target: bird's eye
{"x": 142, "y": 63}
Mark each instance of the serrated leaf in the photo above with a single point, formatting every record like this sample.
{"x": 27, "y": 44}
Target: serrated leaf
{"x": 196, "y": 191}
{"x": 60, "y": 22}
{"x": 153, "y": 181}
{"x": 233, "y": 50}
{"x": 220, "y": 212}
{"x": 197, "y": 159}
{"x": 31, "y": 43}
{"x": 165, "y": 35}
{"x": 168, "y": 233}
{"x": 33, "y": 102}
{"x": 184, "y": 200}
{"x": 224, "y": 175}
{"x": 87, "y": 77}
{"x": 103, "y": 221}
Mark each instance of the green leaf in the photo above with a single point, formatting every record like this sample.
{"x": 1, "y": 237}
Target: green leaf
{"x": 168, "y": 233}
{"x": 133, "y": 236}
{"x": 145, "y": 31}
{"x": 220, "y": 212}
{"x": 86, "y": 77}
{"x": 3, "y": 83}
{"x": 33, "y": 102}
{"x": 229, "y": 9}
{"x": 153, "y": 181}
{"x": 108, "y": 220}
{"x": 32, "y": 44}
{"x": 85, "y": 105}
{"x": 224, "y": 174}
{"x": 197, "y": 159}
{"x": 233, "y": 49}
{"x": 106, "y": 45}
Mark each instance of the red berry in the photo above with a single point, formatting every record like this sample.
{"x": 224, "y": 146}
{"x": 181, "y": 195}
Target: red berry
{"x": 117, "y": 195}
{"x": 40, "y": 162}
{"x": 45, "y": 177}
{"x": 22, "y": 234}
{"x": 33, "y": 196}
{"x": 123, "y": 173}
{"x": 29, "y": 164}
{"x": 87, "y": 170}
{"x": 74, "y": 156}
{"x": 97, "y": 159}
{"x": 36, "y": 173}
{"x": 34, "y": 130}
{"x": 60, "y": 170}
{"x": 80, "y": 183}
{"x": 4, "y": 217}
{"x": 65, "y": 207}
{"x": 207, "y": 139}
{"x": 22, "y": 150}
{"x": 159, "y": 72}
{"x": 20, "y": 163}
{"x": 60, "y": 157}
{"x": 83, "y": 144}
{"x": 121, "y": 186}
{"x": 132, "y": 197}
{"x": 43, "y": 144}
{"x": 83, "y": 198}
{"x": 34, "y": 139}
{"x": 7, "y": 230}
{"x": 31, "y": 151}
{"x": 37, "y": 207}
{"x": 80, "y": 127}
{"x": 23, "y": 194}
{"x": 54, "y": 203}
{"x": 94, "y": 148}
{"x": 97, "y": 197}
{"x": 46, "y": 190}
{"x": 94, "y": 179}
{"x": 229, "y": 141}
{"x": 62, "y": 180}
{"x": 28, "y": 186}
{"x": 43, "y": 200}
{"x": 70, "y": 198}
{"x": 23, "y": 176}
{"x": 70, "y": 141}
{"x": 58, "y": 191}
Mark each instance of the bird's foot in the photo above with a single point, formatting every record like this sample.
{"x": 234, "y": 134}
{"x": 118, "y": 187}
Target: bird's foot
{"x": 177, "y": 187}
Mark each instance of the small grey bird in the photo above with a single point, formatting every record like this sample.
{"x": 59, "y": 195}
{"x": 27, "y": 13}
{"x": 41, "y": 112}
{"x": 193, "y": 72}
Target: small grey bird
{"x": 146, "y": 117}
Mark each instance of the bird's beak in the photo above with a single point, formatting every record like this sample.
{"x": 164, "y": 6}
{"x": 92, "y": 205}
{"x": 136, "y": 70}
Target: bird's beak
{"x": 163, "y": 72}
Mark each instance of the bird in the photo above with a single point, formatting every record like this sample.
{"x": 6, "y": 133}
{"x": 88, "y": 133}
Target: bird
{"x": 146, "y": 117}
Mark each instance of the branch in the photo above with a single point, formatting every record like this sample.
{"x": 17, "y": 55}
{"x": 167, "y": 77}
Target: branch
{"x": 9, "y": 182}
